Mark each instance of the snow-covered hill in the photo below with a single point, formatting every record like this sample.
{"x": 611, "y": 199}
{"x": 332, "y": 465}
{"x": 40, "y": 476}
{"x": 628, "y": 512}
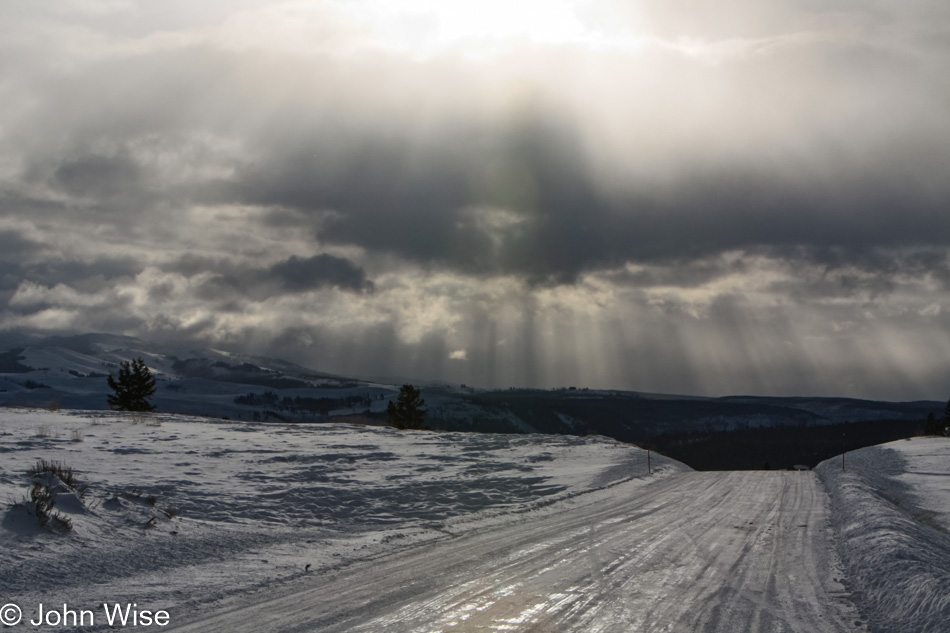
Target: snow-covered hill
{"x": 70, "y": 372}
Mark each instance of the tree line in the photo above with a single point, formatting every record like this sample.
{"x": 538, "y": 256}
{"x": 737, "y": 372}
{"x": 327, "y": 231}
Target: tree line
{"x": 297, "y": 404}
{"x": 782, "y": 447}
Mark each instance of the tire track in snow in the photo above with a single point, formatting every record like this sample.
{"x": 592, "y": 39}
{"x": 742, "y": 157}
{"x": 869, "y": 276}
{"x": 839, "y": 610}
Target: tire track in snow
{"x": 710, "y": 552}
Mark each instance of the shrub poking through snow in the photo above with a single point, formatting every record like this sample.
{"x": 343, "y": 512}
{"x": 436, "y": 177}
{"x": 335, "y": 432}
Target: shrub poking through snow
{"x": 43, "y": 500}
{"x": 63, "y": 472}
{"x": 50, "y": 479}
{"x": 40, "y": 504}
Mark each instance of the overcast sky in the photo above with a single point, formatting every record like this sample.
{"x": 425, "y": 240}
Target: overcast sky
{"x": 663, "y": 195}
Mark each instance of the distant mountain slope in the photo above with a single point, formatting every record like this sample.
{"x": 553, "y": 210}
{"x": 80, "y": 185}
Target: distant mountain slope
{"x": 630, "y": 416}
{"x": 70, "y": 371}
{"x": 848, "y": 409}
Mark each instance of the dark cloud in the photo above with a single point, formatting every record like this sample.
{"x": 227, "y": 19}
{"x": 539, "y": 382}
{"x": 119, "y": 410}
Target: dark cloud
{"x": 298, "y": 274}
{"x": 14, "y": 246}
{"x": 90, "y": 277}
{"x": 485, "y": 198}
{"x": 17, "y": 203}
{"x": 292, "y": 275}
{"x": 190, "y": 265}
{"x": 86, "y": 276}
{"x": 543, "y": 216}
{"x": 862, "y": 273}
{"x": 97, "y": 175}
{"x": 520, "y": 201}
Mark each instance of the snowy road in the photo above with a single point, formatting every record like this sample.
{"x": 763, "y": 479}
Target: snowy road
{"x": 697, "y": 552}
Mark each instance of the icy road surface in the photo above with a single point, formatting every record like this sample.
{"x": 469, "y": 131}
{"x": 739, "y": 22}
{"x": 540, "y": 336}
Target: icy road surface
{"x": 697, "y": 552}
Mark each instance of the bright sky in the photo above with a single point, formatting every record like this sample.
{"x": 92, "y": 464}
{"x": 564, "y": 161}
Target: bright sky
{"x": 656, "y": 195}
{"x": 432, "y": 27}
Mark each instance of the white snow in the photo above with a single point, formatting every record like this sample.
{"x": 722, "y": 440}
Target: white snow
{"x": 737, "y": 552}
{"x": 181, "y": 510}
{"x": 891, "y": 515}
{"x": 927, "y": 473}
{"x": 233, "y": 526}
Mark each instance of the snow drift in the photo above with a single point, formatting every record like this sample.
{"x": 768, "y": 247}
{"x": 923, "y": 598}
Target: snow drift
{"x": 891, "y": 514}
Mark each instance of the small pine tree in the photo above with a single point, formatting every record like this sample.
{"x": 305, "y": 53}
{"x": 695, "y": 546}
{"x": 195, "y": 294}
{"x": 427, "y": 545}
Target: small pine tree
{"x": 931, "y": 426}
{"x": 133, "y": 388}
{"x": 407, "y": 411}
{"x": 945, "y": 421}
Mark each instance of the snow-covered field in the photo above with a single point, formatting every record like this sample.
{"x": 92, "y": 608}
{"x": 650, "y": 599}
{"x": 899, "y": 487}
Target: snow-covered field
{"x": 891, "y": 514}
{"x": 232, "y": 526}
{"x": 180, "y": 511}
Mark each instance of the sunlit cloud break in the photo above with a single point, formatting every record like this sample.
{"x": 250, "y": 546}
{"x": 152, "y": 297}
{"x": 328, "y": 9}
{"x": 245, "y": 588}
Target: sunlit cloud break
{"x": 744, "y": 198}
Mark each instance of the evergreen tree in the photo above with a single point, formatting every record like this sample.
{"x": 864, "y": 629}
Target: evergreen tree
{"x": 931, "y": 427}
{"x": 407, "y": 412}
{"x": 133, "y": 388}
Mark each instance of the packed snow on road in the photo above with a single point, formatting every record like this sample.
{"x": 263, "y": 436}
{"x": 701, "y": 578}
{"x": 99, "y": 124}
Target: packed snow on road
{"x": 234, "y": 527}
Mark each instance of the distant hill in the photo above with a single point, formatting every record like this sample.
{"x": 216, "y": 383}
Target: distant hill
{"x": 731, "y": 433}
{"x": 633, "y": 417}
{"x": 70, "y": 372}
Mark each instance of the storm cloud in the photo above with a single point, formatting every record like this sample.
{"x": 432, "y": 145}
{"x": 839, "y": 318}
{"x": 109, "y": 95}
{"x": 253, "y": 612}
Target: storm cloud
{"x": 642, "y": 195}
{"x": 292, "y": 275}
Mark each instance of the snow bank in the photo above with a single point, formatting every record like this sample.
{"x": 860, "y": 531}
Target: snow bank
{"x": 182, "y": 510}
{"x": 891, "y": 515}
